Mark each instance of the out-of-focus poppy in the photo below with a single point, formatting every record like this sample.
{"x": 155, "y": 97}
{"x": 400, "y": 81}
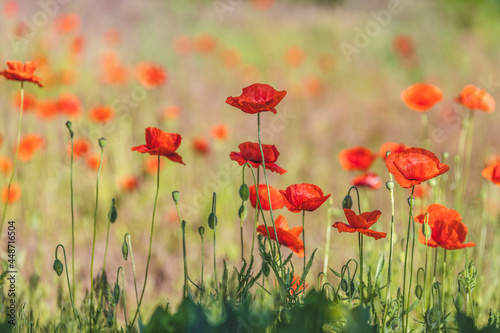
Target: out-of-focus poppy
{"x": 295, "y": 285}
{"x": 101, "y": 114}
{"x": 28, "y": 145}
{"x": 276, "y": 197}
{"x": 81, "y": 147}
{"x": 5, "y": 165}
{"x": 492, "y": 173}
{"x": 21, "y": 72}
{"x": 151, "y": 165}
{"x": 77, "y": 45}
{"x": 360, "y": 223}
{"x": 114, "y": 72}
{"x": 250, "y": 152}
{"x": 231, "y": 58}
{"x": 421, "y": 96}
{"x": 220, "y": 132}
{"x": 13, "y": 195}
{"x": 294, "y": 56}
{"x": 201, "y": 145}
{"x": 151, "y": 75}
{"x": 393, "y": 147}
{"x": 112, "y": 37}
{"x": 93, "y": 161}
{"x": 326, "y": 63}
{"x": 403, "y": 46}
{"x": 356, "y": 158}
{"x": 286, "y": 237}
{"x": 262, "y": 4}
{"x": 129, "y": 183}
{"x": 29, "y": 102}
{"x": 369, "y": 180}
{"x": 250, "y": 74}
{"x": 447, "y": 229}
{"x": 182, "y": 45}
{"x": 69, "y": 104}
{"x": 475, "y": 98}
{"x": 257, "y": 98}
{"x": 161, "y": 143}
{"x": 172, "y": 112}
{"x": 313, "y": 86}
{"x": 68, "y": 22}
{"x": 47, "y": 108}
{"x": 300, "y": 197}
{"x": 421, "y": 191}
{"x": 204, "y": 43}
{"x": 414, "y": 166}
{"x": 10, "y": 9}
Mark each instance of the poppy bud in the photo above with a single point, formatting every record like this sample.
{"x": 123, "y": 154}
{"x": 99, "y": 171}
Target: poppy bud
{"x": 102, "y": 142}
{"x": 387, "y": 153}
{"x": 242, "y": 212}
{"x": 426, "y": 230}
{"x": 112, "y": 214}
{"x": 265, "y": 269}
{"x": 201, "y": 231}
{"x": 69, "y": 125}
{"x": 445, "y": 155}
{"x": 418, "y": 291}
{"x": 175, "y": 196}
{"x": 116, "y": 293}
{"x": 411, "y": 201}
{"x": 183, "y": 224}
{"x": 125, "y": 250}
{"x": 244, "y": 192}
{"x": 390, "y": 185}
{"x": 459, "y": 302}
{"x": 344, "y": 286}
{"x": 58, "y": 267}
{"x": 212, "y": 221}
{"x": 347, "y": 202}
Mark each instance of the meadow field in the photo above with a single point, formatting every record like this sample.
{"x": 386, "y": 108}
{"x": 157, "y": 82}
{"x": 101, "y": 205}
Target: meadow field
{"x": 213, "y": 85}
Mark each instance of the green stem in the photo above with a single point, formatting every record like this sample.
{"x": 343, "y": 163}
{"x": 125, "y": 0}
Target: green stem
{"x": 123, "y": 293}
{"x": 69, "y": 287}
{"x": 328, "y": 229}
{"x": 202, "y": 262}
{"x": 215, "y": 265}
{"x": 425, "y": 126}
{"x": 405, "y": 320}
{"x": 391, "y": 252}
{"x": 183, "y": 228}
{"x": 257, "y": 207}
{"x": 150, "y": 240}
{"x": 411, "y": 264}
{"x": 93, "y": 239}
{"x": 133, "y": 271}
{"x": 360, "y": 242}
{"x": 105, "y": 255}
{"x": 15, "y": 158}
{"x": 304, "y": 237}
{"x": 444, "y": 282}
{"x": 72, "y": 218}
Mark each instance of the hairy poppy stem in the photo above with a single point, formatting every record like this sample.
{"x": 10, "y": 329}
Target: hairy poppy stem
{"x": 133, "y": 270}
{"x": 183, "y": 229}
{"x": 72, "y": 211}
{"x": 391, "y": 251}
{"x": 202, "y": 262}
{"x": 150, "y": 241}
{"x": 123, "y": 293}
{"x": 360, "y": 242}
{"x": 304, "y": 237}
{"x": 444, "y": 282}
{"x": 328, "y": 231}
{"x": 94, "y": 237}
{"x": 405, "y": 320}
{"x": 15, "y": 158}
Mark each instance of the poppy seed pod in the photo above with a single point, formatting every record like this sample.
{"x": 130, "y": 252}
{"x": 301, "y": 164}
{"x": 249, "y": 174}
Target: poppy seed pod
{"x": 244, "y": 192}
{"x": 347, "y": 202}
{"x": 212, "y": 221}
{"x": 201, "y": 231}
{"x": 243, "y": 212}
{"x": 58, "y": 267}
{"x": 102, "y": 142}
{"x": 175, "y": 196}
{"x": 390, "y": 185}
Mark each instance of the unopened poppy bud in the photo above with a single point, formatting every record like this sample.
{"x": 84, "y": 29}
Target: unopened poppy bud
{"x": 125, "y": 250}
{"x": 69, "y": 125}
{"x": 116, "y": 293}
{"x": 175, "y": 196}
{"x": 112, "y": 214}
{"x": 201, "y": 231}
{"x": 445, "y": 155}
{"x": 212, "y": 221}
{"x": 265, "y": 269}
{"x": 418, "y": 291}
{"x": 244, "y": 192}
{"x": 58, "y": 267}
{"x": 387, "y": 153}
{"x": 426, "y": 230}
{"x": 390, "y": 185}
{"x": 347, "y": 202}
{"x": 102, "y": 142}
{"x": 242, "y": 212}
{"x": 183, "y": 224}
{"x": 411, "y": 201}
{"x": 459, "y": 302}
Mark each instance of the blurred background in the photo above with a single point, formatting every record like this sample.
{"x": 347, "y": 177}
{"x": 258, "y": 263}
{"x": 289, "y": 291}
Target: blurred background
{"x": 343, "y": 65}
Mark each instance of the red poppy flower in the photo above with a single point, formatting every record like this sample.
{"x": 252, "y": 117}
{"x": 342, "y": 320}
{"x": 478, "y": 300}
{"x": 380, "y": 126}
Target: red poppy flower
{"x": 250, "y": 152}
{"x": 21, "y": 72}
{"x": 68, "y": 22}
{"x": 403, "y": 46}
{"x": 29, "y": 102}
{"x": 10, "y": 8}
{"x": 201, "y": 145}
{"x": 101, "y": 114}
{"x": 151, "y": 75}
{"x": 28, "y": 145}
{"x": 295, "y": 285}
{"x": 414, "y": 165}
{"x": 204, "y": 43}
{"x": 301, "y": 197}
{"x": 476, "y": 99}
{"x": 129, "y": 183}
{"x": 69, "y": 104}
{"x": 13, "y": 195}
{"x": 262, "y": 4}
{"x": 81, "y": 147}
{"x": 5, "y": 165}
{"x": 276, "y": 197}
{"x": 421, "y": 191}
{"x": 360, "y": 223}
{"x": 257, "y": 98}
{"x": 161, "y": 143}
{"x": 392, "y": 147}
{"x": 220, "y": 132}
{"x": 46, "y": 109}
{"x": 370, "y": 180}
{"x": 94, "y": 160}
{"x": 286, "y": 237}
{"x": 356, "y": 158}
{"x": 421, "y": 96}
{"x": 231, "y": 58}
{"x": 492, "y": 173}
{"x": 447, "y": 229}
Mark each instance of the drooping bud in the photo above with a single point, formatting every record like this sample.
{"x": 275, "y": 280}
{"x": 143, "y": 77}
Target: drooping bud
{"x": 116, "y": 293}
{"x": 125, "y": 250}
{"x": 242, "y": 212}
{"x": 176, "y": 196}
{"x": 244, "y": 192}
{"x": 58, "y": 267}
{"x": 426, "y": 230}
{"x": 459, "y": 302}
{"x": 69, "y": 125}
{"x": 112, "y": 214}
{"x": 347, "y": 202}
{"x": 212, "y": 221}
{"x": 102, "y": 142}
{"x": 418, "y": 291}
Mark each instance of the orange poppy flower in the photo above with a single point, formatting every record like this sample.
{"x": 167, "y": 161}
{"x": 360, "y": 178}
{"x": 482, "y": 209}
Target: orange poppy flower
{"x": 46, "y": 109}
{"x": 5, "y": 165}
{"x": 161, "y": 143}
{"x": 356, "y": 158}
{"x": 29, "y": 102}
{"x": 262, "y": 4}
{"x": 77, "y": 45}
{"x": 447, "y": 229}
{"x": 313, "y": 86}
{"x": 114, "y": 72}
{"x": 172, "y": 112}
{"x": 231, "y": 58}
{"x": 360, "y": 223}
{"x": 276, "y": 197}
{"x": 326, "y": 63}
{"x": 13, "y": 195}
{"x": 421, "y": 96}
{"x": 94, "y": 160}
{"x": 492, "y": 173}
{"x": 10, "y": 8}
{"x": 28, "y": 145}
{"x": 301, "y": 197}
{"x": 129, "y": 183}
{"x": 392, "y": 147}
{"x": 182, "y": 45}
{"x": 151, "y": 165}
{"x": 294, "y": 56}
{"x": 81, "y": 147}
{"x": 286, "y": 237}
{"x": 201, "y": 145}
{"x": 295, "y": 285}
{"x": 369, "y": 180}
{"x": 21, "y": 72}
{"x": 403, "y": 46}
{"x": 204, "y": 43}
{"x": 250, "y": 152}
{"x": 151, "y": 75}
{"x": 69, "y": 105}
{"x": 257, "y": 98}
{"x": 414, "y": 166}
{"x": 476, "y": 99}
{"x": 220, "y": 132}
{"x": 68, "y": 22}
{"x": 101, "y": 114}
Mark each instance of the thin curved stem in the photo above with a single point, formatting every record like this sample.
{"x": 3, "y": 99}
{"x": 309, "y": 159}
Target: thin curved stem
{"x": 123, "y": 293}
{"x": 72, "y": 216}
{"x": 133, "y": 271}
{"x": 69, "y": 287}
{"x": 391, "y": 251}
{"x": 183, "y": 228}
{"x": 105, "y": 255}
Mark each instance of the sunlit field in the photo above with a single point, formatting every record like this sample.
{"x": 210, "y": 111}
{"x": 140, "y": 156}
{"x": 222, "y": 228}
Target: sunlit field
{"x": 134, "y": 134}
